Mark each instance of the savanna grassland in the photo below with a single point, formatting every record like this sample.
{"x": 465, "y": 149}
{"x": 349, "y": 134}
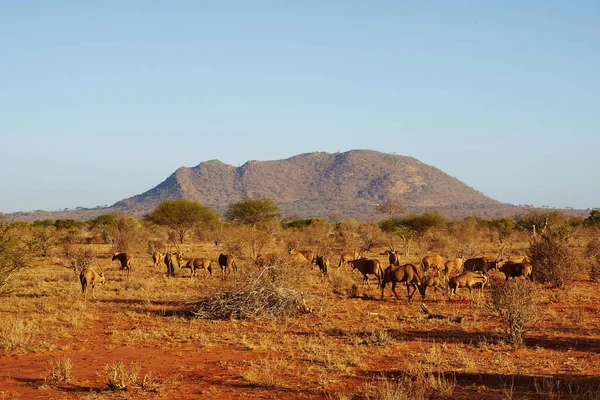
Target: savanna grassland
{"x": 146, "y": 335}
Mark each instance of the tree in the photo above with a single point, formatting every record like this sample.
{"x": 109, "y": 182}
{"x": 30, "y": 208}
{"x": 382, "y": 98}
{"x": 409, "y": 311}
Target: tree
{"x": 15, "y": 250}
{"x": 593, "y": 218}
{"x": 127, "y": 234}
{"x": 252, "y": 211}
{"x": 181, "y": 215}
{"x": 392, "y": 207}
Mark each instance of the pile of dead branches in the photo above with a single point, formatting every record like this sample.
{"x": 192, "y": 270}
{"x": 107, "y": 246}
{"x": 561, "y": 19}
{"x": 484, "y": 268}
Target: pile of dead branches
{"x": 259, "y": 300}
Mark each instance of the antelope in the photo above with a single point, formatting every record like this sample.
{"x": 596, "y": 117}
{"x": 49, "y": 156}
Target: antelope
{"x": 432, "y": 261}
{"x": 513, "y": 270}
{"x": 393, "y": 258}
{"x": 519, "y": 259}
{"x": 366, "y": 267}
{"x": 227, "y": 262}
{"x": 303, "y": 255}
{"x": 323, "y": 264}
{"x": 453, "y": 264}
{"x": 407, "y": 273}
{"x": 468, "y": 279}
{"x": 157, "y": 258}
{"x": 195, "y": 264}
{"x": 88, "y": 278}
{"x": 483, "y": 264}
{"x": 266, "y": 260}
{"x": 126, "y": 261}
{"x": 346, "y": 257}
{"x": 169, "y": 260}
{"x": 436, "y": 282}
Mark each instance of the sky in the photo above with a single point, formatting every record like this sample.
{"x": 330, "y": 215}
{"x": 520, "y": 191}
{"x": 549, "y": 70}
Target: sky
{"x": 101, "y": 101}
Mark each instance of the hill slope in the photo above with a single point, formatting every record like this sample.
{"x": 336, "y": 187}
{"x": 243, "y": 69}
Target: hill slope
{"x": 320, "y": 184}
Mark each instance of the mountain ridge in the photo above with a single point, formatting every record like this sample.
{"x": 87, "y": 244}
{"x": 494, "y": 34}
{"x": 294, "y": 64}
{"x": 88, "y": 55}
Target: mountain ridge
{"x": 344, "y": 185}
{"x": 351, "y": 183}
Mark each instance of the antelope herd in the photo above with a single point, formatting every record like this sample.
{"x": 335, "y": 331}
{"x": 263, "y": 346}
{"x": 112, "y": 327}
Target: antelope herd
{"x": 431, "y": 271}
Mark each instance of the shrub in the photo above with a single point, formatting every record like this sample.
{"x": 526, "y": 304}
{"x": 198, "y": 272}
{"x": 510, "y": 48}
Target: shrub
{"x": 593, "y": 253}
{"x": 516, "y": 305}
{"x": 554, "y": 260}
{"x": 59, "y": 370}
{"x": 120, "y": 377}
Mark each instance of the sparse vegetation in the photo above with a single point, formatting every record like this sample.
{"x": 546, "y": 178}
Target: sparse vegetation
{"x": 182, "y": 337}
{"x": 515, "y": 304}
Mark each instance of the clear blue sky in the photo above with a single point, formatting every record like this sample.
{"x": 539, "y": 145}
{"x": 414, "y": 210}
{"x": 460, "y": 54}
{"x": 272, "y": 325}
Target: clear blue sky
{"x": 100, "y": 101}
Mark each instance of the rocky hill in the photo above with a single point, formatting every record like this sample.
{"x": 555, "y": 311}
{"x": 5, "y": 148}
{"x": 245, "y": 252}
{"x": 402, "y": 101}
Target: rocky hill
{"x": 349, "y": 184}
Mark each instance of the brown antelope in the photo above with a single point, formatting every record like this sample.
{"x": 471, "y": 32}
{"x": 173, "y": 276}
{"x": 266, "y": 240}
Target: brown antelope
{"x": 88, "y": 278}
{"x": 453, "y": 265}
{"x": 126, "y": 261}
{"x": 468, "y": 279}
{"x": 393, "y": 257}
{"x": 435, "y": 281}
{"x": 170, "y": 259}
{"x": 513, "y": 270}
{"x": 157, "y": 258}
{"x": 346, "y": 257}
{"x": 323, "y": 264}
{"x": 267, "y": 260}
{"x": 407, "y": 273}
{"x": 366, "y": 267}
{"x": 304, "y": 255}
{"x": 483, "y": 264}
{"x": 432, "y": 261}
{"x": 227, "y": 263}
{"x": 195, "y": 264}
{"x": 519, "y": 259}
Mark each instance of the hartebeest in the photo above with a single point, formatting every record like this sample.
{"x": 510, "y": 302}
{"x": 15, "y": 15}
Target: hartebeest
{"x": 88, "y": 278}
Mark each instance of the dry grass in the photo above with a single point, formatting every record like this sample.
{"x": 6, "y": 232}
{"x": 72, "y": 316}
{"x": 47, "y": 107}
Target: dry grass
{"x": 351, "y": 347}
{"x": 59, "y": 371}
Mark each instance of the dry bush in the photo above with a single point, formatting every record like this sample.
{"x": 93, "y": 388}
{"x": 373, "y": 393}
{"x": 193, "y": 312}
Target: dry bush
{"x": 80, "y": 260}
{"x": 592, "y": 251}
{"x": 516, "y": 306}
{"x": 120, "y": 377}
{"x": 260, "y": 300}
{"x": 260, "y": 374}
{"x": 59, "y": 371}
{"x": 554, "y": 259}
{"x": 343, "y": 284}
{"x": 15, "y": 333}
{"x": 554, "y": 388}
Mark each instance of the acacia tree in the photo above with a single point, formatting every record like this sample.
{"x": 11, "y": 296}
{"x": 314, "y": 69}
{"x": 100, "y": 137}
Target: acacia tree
{"x": 181, "y": 215}
{"x": 254, "y": 213}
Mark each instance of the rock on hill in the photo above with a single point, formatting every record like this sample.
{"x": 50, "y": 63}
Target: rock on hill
{"x": 320, "y": 184}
